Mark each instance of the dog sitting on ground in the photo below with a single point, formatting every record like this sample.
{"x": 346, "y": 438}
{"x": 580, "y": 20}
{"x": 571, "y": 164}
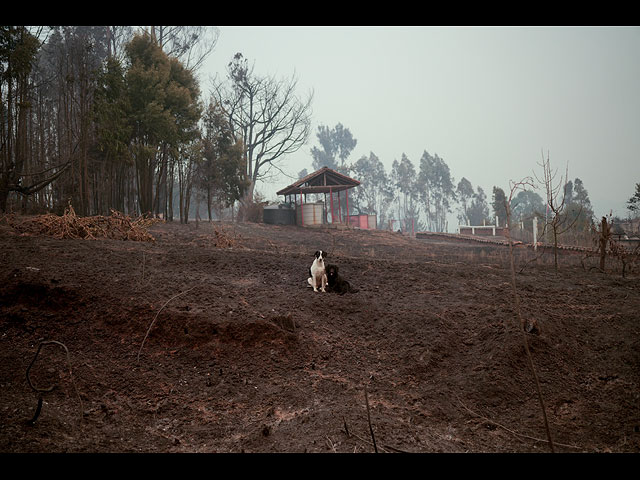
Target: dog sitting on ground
{"x": 317, "y": 274}
{"x": 336, "y": 283}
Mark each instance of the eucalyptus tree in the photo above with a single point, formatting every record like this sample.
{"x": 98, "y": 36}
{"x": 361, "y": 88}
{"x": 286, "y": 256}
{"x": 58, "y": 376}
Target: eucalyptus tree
{"x": 221, "y": 174}
{"x": 474, "y": 209}
{"x": 18, "y": 49}
{"x": 25, "y": 168}
{"x": 479, "y": 208}
{"x": 74, "y": 56}
{"x": 337, "y": 144}
{"x": 579, "y": 211}
{"x": 525, "y": 205}
{"x": 404, "y": 181}
{"x": 498, "y": 204}
{"x": 162, "y": 97}
{"x": 464, "y": 193}
{"x": 266, "y": 115}
{"x": 374, "y": 193}
{"x": 113, "y": 132}
{"x": 184, "y": 140}
{"x": 436, "y": 190}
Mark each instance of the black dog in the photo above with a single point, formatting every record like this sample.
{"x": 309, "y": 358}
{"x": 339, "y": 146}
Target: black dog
{"x": 336, "y": 283}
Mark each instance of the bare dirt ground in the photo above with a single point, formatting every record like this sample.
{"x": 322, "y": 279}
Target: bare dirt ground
{"x": 242, "y": 356}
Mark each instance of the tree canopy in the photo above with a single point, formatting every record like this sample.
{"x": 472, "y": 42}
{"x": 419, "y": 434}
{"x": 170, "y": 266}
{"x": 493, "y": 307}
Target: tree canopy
{"x": 336, "y": 143}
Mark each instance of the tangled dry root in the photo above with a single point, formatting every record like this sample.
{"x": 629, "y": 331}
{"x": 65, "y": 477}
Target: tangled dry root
{"x": 116, "y": 226}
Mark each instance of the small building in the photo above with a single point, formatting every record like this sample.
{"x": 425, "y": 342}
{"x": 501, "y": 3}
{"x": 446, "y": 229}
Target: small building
{"x": 330, "y": 211}
{"x": 364, "y": 221}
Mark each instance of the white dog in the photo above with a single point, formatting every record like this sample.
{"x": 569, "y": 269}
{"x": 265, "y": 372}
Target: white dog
{"x": 318, "y": 275}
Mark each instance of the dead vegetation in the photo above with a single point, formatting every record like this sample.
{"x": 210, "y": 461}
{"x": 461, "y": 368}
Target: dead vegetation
{"x": 116, "y": 226}
{"x": 224, "y": 238}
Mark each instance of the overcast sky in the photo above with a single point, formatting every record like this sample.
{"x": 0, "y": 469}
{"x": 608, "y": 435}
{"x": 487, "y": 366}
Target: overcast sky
{"x": 487, "y": 100}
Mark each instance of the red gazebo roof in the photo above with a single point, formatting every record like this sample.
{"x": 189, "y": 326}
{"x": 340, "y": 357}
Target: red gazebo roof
{"x": 324, "y": 180}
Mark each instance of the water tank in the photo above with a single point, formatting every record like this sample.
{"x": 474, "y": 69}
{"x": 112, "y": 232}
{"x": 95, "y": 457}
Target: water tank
{"x": 311, "y": 214}
{"x": 279, "y": 215}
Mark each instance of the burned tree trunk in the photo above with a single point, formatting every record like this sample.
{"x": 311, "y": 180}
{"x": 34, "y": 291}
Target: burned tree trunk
{"x": 605, "y": 233}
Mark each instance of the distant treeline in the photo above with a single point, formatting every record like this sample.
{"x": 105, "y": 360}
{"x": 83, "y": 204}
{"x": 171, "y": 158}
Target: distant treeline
{"x": 421, "y": 198}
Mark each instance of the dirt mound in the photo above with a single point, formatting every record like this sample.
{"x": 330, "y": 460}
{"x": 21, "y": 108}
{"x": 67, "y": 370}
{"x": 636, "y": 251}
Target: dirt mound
{"x": 209, "y": 339}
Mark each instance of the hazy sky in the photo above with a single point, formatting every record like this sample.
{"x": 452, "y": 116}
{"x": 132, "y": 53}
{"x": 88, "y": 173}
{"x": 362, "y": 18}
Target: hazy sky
{"x": 488, "y": 100}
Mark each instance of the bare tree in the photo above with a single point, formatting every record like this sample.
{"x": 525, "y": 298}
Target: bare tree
{"x": 264, "y": 114}
{"x": 555, "y": 196}
{"x": 524, "y": 326}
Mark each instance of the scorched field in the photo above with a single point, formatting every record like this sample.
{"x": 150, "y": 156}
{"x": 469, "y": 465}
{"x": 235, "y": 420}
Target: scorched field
{"x": 209, "y": 339}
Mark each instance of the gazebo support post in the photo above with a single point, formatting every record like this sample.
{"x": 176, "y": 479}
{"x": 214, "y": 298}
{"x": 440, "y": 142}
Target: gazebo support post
{"x": 301, "y": 209}
{"x": 325, "y": 208}
{"x": 331, "y": 195}
{"x": 346, "y": 196}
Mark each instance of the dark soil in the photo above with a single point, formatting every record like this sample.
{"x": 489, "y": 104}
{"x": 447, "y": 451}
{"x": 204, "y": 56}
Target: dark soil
{"x": 242, "y": 356}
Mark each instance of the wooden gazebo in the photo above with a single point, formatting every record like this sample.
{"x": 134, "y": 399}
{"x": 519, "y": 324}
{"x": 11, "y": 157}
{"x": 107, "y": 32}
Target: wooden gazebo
{"x": 321, "y": 181}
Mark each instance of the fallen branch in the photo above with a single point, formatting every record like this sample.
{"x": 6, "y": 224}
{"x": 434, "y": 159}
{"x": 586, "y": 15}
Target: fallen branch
{"x": 512, "y": 431}
{"x": 366, "y": 398}
{"x": 154, "y": 319}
